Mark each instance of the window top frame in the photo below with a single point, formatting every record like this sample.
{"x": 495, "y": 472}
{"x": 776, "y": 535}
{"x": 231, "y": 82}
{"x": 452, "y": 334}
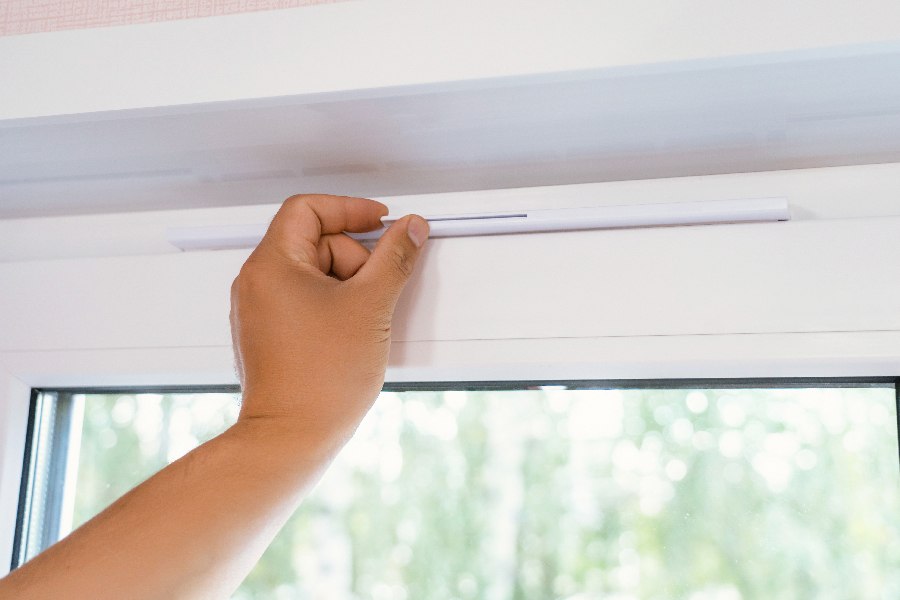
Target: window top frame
{"x": 516, "y": 384}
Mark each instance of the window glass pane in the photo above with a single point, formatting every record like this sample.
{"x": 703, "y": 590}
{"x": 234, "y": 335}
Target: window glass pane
{"x": 560, "y": 493}
{"x": 126, "y": 438}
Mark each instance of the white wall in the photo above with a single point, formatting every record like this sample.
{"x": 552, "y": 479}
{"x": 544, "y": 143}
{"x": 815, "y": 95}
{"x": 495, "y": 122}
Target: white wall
{"x": 373, "y": 46}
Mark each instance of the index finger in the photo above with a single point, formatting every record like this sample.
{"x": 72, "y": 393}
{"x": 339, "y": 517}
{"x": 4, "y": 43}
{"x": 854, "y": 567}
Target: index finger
{"x": 303, "y": 219}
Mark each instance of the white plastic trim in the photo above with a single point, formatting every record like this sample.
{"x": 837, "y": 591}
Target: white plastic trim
{"x": 523, "y": 221}
{"x": 15, "y": 396}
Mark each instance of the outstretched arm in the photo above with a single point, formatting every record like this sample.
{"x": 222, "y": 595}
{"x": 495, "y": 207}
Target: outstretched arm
{"x": 311, "y": 352}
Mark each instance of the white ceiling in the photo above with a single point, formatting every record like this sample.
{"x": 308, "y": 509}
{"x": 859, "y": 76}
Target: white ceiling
{"x": 669, "y": 120}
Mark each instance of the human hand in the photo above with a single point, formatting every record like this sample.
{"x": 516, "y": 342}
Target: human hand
{"x": 311, "y": 354}
{"x": 311, "y": 313}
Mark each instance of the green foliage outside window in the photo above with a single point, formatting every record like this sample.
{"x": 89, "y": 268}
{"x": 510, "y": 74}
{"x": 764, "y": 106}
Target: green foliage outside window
{"x": 572, "y": 494}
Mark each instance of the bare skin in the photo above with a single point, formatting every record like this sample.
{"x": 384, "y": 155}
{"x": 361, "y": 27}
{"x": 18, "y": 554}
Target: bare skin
{"x": 311, "y": 351}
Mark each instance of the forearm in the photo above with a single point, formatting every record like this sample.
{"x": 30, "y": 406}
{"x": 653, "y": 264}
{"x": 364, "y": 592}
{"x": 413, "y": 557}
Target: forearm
{"x": 193, "y": 530}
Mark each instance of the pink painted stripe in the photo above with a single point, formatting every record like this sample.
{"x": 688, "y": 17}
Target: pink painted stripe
{"x": 18, "y": 17}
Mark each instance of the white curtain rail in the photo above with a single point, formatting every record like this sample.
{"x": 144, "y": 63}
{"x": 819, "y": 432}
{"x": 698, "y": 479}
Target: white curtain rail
{"x": 712, "y": 212}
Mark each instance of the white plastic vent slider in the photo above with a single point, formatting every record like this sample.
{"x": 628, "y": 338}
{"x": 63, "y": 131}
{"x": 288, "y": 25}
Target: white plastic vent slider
{"x": 526, "y": 221}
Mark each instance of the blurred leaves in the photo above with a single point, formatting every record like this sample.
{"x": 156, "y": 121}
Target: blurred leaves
{"x": 578, "y": 494}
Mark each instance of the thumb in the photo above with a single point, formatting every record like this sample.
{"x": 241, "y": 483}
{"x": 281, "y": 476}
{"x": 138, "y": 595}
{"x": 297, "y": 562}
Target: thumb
{"x": 394, "y": 257}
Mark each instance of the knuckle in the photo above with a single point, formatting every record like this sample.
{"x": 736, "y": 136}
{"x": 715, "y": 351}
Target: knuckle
{"x": 295, "y": 199}
{"x": 296, "y": 202}
{"x": 247, "y": 280}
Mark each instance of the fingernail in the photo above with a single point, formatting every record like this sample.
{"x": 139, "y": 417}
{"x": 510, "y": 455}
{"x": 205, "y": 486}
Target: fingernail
{"x": 417, "y": 230}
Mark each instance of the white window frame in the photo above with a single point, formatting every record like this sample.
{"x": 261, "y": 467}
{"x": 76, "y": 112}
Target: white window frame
{"x": 69, "y": 288}
{"x": 815, "y": 297}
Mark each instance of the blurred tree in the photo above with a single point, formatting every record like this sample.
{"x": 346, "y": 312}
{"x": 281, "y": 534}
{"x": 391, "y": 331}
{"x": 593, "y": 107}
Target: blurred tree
{"x": 531, "y": 495}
